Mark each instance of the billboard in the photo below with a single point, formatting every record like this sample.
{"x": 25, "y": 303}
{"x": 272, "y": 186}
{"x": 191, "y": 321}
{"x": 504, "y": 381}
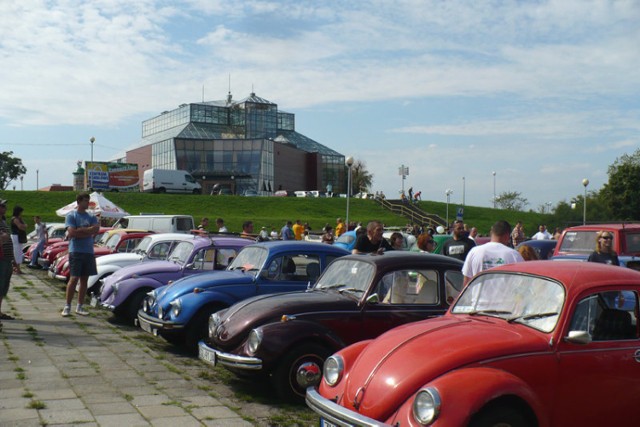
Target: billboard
{"x": 112, "y": 176}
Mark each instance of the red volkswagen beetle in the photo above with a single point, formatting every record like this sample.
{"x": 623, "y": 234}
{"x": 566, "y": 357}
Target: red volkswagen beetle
{"x": 531, "y": 344}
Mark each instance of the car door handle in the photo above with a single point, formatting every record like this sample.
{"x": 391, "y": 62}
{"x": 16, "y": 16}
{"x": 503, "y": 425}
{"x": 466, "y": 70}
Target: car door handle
{"x": 636, "y": 356}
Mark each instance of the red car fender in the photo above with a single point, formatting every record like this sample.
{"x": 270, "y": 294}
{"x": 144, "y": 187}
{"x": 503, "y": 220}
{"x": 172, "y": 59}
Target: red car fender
{"x": 349, "y": 355}
{"x": 465, "y": 392}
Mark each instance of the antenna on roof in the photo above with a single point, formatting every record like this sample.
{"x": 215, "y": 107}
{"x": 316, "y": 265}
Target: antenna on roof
{"x": 229, "y": 94}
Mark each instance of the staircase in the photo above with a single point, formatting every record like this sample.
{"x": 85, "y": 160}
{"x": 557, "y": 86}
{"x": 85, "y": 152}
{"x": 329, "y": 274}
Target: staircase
{"x": 412, "y": 212}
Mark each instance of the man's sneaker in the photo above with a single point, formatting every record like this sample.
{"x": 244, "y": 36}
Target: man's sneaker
{"x": 66, "y": 311}
{"x": 81, "y": 311}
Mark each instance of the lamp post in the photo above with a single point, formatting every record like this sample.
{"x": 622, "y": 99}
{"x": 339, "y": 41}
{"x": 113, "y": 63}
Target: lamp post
{"x": 548, "y": 207}
{"x": 494, "y": 189}
{"x": 448, "y": 193}
{"x": 37, "y": 179}
{"x": 91, "y": 140}
{"x": 585, "y": 182}
{"x": 463, "y": 190}
{"x": 349, "y": 162}
{"x": 403, "y": 171}
{"x": 21, "y": 187}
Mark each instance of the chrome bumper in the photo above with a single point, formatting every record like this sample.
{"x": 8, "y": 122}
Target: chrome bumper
{"x": 216, "y": 357}
{"x": 337, "y": 414}
{"x": 153, "y": 325}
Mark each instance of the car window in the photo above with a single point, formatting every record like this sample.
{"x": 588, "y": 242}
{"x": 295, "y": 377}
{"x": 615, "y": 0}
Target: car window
{"x": 633, "y": 243}
{"x": 409, "y": 287}
{"x": 159, "y": 250}
{"x": 299, "y": 268}
{"x": 579, "y": 242}
{"x": 113, "y": 241}
{"x": 607, "y": 316}
{"x": 453, "y": 284}
{"x": 205, "y": 259}
{"x": 224, "y": 257}
{"x": 129, "y": 244}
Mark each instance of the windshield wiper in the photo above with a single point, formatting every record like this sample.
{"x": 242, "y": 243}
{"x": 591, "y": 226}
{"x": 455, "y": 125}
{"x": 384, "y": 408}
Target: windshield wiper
{"x": 488, "y": 312}
{"x": 350, "y": 290}
{"x": 334, "y": 286}
{"x": 533, "y": 316}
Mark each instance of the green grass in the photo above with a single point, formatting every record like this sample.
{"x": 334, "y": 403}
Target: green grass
{"x": 263, "y": 211}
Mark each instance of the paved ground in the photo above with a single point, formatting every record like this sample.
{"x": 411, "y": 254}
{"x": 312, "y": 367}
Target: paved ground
{"x": 58, "y": 371}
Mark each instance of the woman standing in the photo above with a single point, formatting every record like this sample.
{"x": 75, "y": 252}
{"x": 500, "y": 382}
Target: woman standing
{"x": 604, "y": 252}
{"x": 18, "y": 236}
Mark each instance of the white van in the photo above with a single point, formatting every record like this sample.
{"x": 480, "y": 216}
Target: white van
{"x": 169, "y": 181}
{"x": 158, "y": 223}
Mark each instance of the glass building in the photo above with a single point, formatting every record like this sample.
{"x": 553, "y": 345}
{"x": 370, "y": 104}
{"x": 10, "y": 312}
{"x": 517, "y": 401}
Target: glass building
{"x": 245, "y": 145}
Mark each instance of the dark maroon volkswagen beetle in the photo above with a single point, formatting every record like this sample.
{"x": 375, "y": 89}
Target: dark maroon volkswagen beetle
{"x": 288, "y": 336}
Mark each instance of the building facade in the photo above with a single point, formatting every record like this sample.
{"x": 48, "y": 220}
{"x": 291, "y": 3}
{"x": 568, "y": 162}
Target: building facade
{"x": 246, "y": 145}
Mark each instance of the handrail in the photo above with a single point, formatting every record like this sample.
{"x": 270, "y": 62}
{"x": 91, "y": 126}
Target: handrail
{"x": 411, "y": 212}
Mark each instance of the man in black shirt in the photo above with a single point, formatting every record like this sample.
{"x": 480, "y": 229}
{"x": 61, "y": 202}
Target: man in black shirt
{"x": 460, "y": 245}
{"x": 372, "y": 241}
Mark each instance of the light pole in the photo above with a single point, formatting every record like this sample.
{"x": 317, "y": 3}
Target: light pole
{"x": 349, "y": 162}
{"x": 448, "y": 193}
{"x": 37, "y": 179}
{"x": 403, "y": 171}
{"x": 585, "y": 182}
{"x": 91, "y": 140}
{"x": 21, "y": 187}
{"x": 494, "y": 189}
{"x": 548, "y": 207}
{"x": 463, "y": 190}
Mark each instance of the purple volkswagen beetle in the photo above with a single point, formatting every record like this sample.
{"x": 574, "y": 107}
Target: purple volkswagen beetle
{"x": 124, "y": 291}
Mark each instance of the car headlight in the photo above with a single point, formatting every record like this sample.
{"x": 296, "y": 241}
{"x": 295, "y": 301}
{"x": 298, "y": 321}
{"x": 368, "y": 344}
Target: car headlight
{"x": 65, "y": 266}
{"x": 333, "y": 369}
{"x": 426, "y": 406}
{"x": 254, "y": 340}
{"x": 214, "y": 322}
{"x": 176, "y": 307}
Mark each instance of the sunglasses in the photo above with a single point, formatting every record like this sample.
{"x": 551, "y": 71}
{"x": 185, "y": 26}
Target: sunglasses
{"x": 607, "y": 237}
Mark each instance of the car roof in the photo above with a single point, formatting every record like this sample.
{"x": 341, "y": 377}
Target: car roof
{"x": 170, "y": 236}
{"x": 398, "y": 258}
{"x": 613, "y": 226}
{"x": 296, "y": 245}
{"x": 575, "y": 275}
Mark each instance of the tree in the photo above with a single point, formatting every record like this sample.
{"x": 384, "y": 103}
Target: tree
{"x": 361, "y": 178}
{"x": 511, "y": 200}
{"x": 622, "y": 193}
{"x": 10, "y": 168}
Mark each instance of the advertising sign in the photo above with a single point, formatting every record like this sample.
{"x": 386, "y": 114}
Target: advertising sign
{"x": 112, "y": 176}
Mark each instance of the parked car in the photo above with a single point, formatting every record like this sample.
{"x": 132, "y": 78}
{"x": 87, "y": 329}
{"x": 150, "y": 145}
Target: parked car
{"x": 154, "y": 247}
{"x": 288, "y": 336}
{"x": 543, "y": 248}
{"x": 180, "y": 311}
{"x": 55, "y": 233}
{"x": 536, "y": 343}
{"x": 123, "y": 291}
{"x": 120, "y": 240}
{"x": 577, "y": 243}
{"x": 346, "y": 240}
{"x": 52, "y": 250}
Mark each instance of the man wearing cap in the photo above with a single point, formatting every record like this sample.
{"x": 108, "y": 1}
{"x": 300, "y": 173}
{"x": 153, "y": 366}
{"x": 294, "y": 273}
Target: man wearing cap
{"x": 81, "y": 226}
{"x": 6, "y": 258}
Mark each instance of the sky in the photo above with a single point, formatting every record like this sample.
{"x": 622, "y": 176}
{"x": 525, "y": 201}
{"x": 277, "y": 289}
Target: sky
{"x": 525, "y": 96}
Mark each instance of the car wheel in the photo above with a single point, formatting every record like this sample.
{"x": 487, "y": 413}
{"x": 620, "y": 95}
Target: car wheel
{"x": 96, "y": 289}
{"x": 162, "y": 190}
{"x": 134, "y": 304}
{"x": 198, "y": 328}
{"x": 300, "y": 369}
{"x": 500, "y": 416}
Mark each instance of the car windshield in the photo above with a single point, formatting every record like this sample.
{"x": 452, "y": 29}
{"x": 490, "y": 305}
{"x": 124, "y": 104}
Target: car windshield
{"x": 250, "y": 259}
{"x": 346, "y": 238}
{"x": 143, "y": 245}
{"x": 181, "y": 253}
{"x": 530, "y": 300}
{"x": 113, "y": 241}
{"x": 579, "y": 242}
{"x": 347, "y": 276}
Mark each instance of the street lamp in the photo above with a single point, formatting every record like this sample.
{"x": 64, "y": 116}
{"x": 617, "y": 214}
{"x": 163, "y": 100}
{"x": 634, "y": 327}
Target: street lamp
{"x": 463, "y": 191}
{"x": 21, "y": 187}
{"x": 494, "y": 189}
{"x": 349, "y": 162}
{"x": 548, "y": 207}
{"x": 403, "y": 171}
{"x": 448, "y": 193}
{"x": 585, "y": 182}
{"x": 91, "y": 140}
{"x": 37, "y": 179}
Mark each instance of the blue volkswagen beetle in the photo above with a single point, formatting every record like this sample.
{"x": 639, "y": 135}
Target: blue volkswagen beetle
{"x": 179, "y": 312}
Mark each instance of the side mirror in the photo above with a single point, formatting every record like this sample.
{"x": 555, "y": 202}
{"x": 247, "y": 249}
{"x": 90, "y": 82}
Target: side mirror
{"x": 373, "y": 299}
{"x": 578, "y": 337}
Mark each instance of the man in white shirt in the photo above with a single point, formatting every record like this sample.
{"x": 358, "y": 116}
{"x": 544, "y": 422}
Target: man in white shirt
{"x": 542, "y": 233}
{"x": 491, "y": 254}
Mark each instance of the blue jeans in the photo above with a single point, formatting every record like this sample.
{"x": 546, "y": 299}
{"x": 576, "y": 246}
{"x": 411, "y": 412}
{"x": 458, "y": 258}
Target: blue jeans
{"x": 36, "y": 253}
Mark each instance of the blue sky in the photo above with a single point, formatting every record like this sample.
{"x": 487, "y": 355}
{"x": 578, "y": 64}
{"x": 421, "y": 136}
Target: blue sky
{"x": 544, "y": 93}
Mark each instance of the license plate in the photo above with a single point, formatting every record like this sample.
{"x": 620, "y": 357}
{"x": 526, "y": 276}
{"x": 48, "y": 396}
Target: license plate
{"x": 207, "y": 355}
{"x": 51, "y": 274}
{"x": 146, "y": 326}
{"x": 325, "y": 423}
{"x": 94, "y": 302}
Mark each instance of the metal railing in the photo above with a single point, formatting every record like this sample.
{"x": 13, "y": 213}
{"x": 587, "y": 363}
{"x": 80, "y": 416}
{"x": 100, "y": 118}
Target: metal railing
{"x": 412, "y": 212}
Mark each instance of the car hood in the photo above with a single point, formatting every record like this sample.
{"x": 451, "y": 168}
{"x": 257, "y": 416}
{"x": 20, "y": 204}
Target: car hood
{"x": 117, "y": 259}
{"x": 441, "y": 345}
{"x": 206, "y": 280}
{"x": 144, "y": 269}
{"x": 240, "y": 318}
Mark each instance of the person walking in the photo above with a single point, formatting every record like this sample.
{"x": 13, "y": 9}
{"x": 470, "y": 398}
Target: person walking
{"x": 18, "y": 236}
{"x": 517, "y": 235}
{"x": 7, "y": 261}
{"x": 247, "y": 229}
{"x": 81, "y": 227}
{"x": 604, "y": 252}
{"x": 221, "y": 227}
{"x": 204, "y": 223}
{"x": 298, "y": 229}
{"x": 286, "y": 232}
{"x": 492, "y": 254}
{"x": 341, "y": 228}
{"x": 42, "y": 238}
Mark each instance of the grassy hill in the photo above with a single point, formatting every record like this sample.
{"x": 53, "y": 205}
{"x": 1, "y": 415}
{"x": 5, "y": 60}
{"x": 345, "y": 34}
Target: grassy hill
{"x": 263, "y": 211}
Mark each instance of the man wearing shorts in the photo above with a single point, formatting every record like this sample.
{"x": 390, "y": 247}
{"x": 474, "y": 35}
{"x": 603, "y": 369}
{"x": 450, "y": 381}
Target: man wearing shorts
{"x": 81, "y": 227}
